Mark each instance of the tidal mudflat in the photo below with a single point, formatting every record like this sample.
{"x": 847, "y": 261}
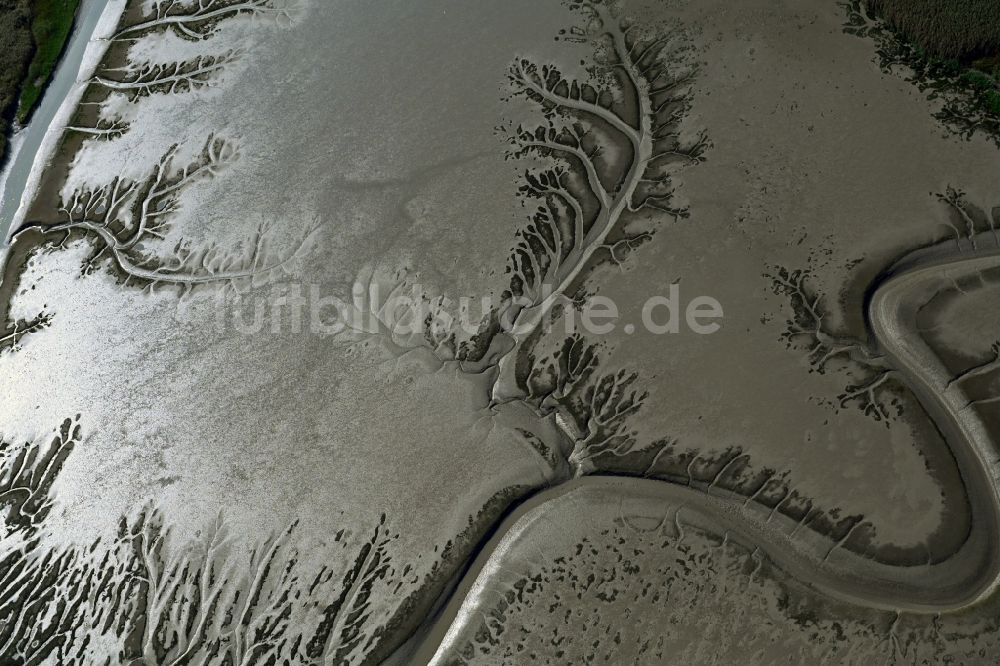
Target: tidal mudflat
{"x": 289, "y": 376}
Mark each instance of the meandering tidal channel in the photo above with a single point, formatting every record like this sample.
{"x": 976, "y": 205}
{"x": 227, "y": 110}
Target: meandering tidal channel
{"x": 956, "y": 582}
{"x": 963, "y": 579}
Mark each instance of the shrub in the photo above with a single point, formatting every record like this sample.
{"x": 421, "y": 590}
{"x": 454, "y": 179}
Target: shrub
{"x": 978, "y": 80}
{"x": 992, "y": 102}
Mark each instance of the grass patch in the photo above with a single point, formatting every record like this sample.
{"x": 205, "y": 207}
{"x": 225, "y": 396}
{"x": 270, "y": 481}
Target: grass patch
{"x": 964, "y": 29}
{"x": 990, "y": 66}
{"x": 966, "y": 88}
{"x": 15, "y": 50}
{"x": 50, "y": 26}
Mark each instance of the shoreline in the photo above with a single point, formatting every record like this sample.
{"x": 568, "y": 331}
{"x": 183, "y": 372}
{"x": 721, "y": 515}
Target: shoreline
{"x": 41, "y": 138}
{"x": 719, "y": 506}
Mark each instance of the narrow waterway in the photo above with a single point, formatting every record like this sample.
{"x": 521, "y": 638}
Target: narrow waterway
{"x": 26, "y": 145}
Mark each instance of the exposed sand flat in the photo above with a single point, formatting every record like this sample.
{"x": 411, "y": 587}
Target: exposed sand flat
{"x": 182, "y": 422}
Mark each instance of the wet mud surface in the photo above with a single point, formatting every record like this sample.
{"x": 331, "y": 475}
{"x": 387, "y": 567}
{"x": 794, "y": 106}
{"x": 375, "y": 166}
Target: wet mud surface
{"x": 255, "y": 408}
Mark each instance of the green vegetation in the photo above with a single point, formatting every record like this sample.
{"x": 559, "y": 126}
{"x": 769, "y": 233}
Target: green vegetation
{"x": 990, "y": 66}
{"x": 53, "y": 20}
{"x": 964, "y": 29}
{"x": 15, "y": 50}
{"x": 933, "y": 44}
{"x": 32, "y": 35}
